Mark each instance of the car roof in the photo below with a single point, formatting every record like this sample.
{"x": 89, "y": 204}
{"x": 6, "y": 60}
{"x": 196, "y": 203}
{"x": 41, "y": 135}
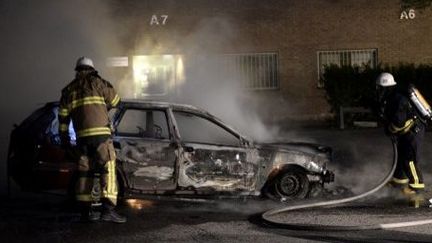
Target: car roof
{"x": 140, "y": 103}
{"x": 154, "y": 104}
{"x": 161, "y": 104}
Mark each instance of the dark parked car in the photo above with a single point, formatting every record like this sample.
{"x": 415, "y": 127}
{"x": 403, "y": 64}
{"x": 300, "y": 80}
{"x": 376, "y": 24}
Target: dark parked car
{"x": 171, "y": 149}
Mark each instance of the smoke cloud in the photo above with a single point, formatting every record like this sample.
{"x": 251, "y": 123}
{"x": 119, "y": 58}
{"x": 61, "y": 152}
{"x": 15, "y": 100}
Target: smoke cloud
{"x": 209, "y": 85}
{"x": 40, "y": 43}
{"x": 42, "y": 40}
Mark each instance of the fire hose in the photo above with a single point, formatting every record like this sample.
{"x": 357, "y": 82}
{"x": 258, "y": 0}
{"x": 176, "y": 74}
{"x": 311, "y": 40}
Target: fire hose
{"x": 266, "y": 216}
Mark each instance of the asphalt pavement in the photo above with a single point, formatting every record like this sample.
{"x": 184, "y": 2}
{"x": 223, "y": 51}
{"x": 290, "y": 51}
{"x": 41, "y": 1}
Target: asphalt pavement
{"x": 362, "y": 158}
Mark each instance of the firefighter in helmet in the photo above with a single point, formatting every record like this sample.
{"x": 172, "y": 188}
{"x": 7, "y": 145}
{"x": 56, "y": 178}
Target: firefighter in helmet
{"x": 402, "y": 121}
{"x": 86, "y": 101}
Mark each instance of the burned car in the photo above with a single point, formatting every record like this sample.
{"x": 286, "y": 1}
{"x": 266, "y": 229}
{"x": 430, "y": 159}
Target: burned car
{"x": 172, "y": 150}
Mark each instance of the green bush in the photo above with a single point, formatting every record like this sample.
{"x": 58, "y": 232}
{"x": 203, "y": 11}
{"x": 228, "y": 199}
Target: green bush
{"x": 355, "y": 86}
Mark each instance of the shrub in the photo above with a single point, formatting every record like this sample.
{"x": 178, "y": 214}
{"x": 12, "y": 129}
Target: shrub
{"x": 355, "y": 86}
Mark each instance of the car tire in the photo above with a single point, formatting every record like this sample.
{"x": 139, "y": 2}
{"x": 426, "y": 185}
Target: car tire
{"x": 291, "y": 184}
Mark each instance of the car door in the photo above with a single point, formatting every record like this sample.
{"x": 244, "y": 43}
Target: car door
{"x": 53, "y": 166}
{"x": 148, "y": 157}
{"x": 212, "y": 156}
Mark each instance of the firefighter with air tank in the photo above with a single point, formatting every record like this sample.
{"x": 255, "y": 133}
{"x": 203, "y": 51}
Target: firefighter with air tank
{"x": 86, "y": 101}
{"x": 404, "y": 114}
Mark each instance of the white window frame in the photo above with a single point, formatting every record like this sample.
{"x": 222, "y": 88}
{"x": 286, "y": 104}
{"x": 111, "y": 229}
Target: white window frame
{"x": 256, "y": 71}
{"x": 355, "y": 57}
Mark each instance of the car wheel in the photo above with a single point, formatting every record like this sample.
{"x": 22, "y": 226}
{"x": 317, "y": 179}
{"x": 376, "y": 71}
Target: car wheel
{"x": 292, "y": 184}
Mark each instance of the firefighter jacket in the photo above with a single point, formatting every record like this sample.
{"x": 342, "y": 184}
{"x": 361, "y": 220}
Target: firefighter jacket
{"x": 86, "y": 101}
{"x": 400, "y": 116}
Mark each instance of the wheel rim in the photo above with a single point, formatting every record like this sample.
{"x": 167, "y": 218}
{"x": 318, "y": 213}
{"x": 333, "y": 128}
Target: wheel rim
{"x": 289, "y": 185}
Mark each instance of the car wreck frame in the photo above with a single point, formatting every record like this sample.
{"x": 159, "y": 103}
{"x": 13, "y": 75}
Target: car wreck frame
{"x": 172, "y": 149}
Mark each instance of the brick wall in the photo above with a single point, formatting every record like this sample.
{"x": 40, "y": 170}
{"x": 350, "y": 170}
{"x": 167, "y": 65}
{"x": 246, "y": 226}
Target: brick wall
{"x": 295, "y": 29}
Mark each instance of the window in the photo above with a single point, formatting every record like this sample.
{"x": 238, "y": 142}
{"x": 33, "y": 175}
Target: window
{"x": 152, "y": 74}
{"x": 345, "y": 58}
{"x": 195, "y": 129}
{"x": 144, "y": 123}
{"x": 257, "y": 71}
{"x": 52, "y": 129}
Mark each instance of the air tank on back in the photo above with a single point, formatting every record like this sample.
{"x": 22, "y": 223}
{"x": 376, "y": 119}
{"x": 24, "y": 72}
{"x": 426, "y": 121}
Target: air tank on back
{"x": 420, "y": 103}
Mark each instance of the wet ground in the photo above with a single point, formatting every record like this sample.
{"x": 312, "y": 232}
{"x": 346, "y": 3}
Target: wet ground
{"x": 363, "y": 158}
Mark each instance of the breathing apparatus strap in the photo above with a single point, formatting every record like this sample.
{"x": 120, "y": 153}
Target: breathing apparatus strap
{"x": 402, "y": 130}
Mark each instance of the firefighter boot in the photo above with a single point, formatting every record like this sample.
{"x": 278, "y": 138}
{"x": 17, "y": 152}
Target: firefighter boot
{"x": 88, "y": 214}
{"x": 110, "y": 215}
{"x": 94, "y": 216}
{"x": 408, "y": 192}
{"x": 417, "y": 200}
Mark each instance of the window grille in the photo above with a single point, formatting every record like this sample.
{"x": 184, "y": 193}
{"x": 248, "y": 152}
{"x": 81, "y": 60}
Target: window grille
{"x": 256, "y": 71}
{"x": 345, "y": 58}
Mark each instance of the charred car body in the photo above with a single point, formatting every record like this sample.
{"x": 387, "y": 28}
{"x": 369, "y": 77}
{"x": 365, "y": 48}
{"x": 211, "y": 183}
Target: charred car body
{"x": 171, "y": 149}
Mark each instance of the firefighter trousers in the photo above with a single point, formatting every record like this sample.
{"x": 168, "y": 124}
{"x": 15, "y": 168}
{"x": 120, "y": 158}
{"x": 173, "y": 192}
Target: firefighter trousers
{"x": 96, "y": 171}
{"x": 407, "y": 170}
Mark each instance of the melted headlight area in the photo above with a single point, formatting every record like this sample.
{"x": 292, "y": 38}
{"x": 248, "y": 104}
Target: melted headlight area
{"x": 314, "y": 167}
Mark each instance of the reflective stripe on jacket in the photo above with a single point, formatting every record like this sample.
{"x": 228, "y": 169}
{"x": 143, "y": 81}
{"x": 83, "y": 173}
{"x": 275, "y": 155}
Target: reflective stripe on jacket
{"x": 400, "y": 114}
{"x": 86, "y": 101}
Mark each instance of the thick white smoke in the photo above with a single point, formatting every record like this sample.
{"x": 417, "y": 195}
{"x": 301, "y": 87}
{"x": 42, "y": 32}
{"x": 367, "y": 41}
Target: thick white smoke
{"x": 209, "y": 85}
{"x": 40, "y": 43}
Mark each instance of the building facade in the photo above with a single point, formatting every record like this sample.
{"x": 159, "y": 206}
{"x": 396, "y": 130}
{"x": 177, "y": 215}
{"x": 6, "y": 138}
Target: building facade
{"x": 272, "y": 51}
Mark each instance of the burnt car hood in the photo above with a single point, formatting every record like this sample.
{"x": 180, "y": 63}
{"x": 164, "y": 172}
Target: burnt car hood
{"x": 308, "y": 148}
